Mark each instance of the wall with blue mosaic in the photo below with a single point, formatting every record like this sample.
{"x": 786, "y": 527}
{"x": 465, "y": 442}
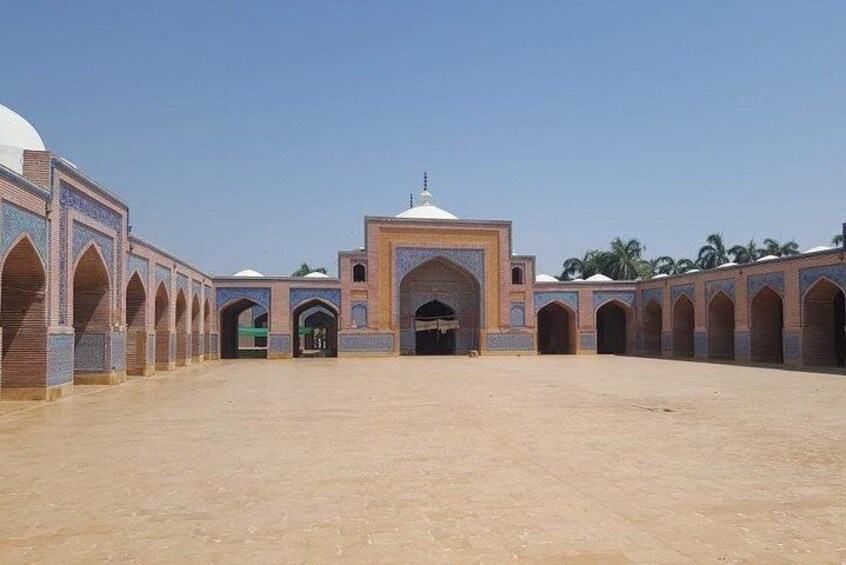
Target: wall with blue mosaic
{"x": 359, "y": 314}
{"x": 330, "y": 295}
{"x": 700, "y": 343}
{"x": 792, "y": 346}
{"x": 59, "y": 359}
{"x": 600, "y": 297}
{"x": 587, "y": 341}
{"x": 260, "y": 296}
{"x": 406, "y": 259}
{"x": 518, "y": 315}
{"x": 570, "y": 298}
{"x": 656, "y": 294}
{"x": 809, "y": 276}
{"x": 90, "y": 352}
{"x": 742, "y": 345}
{"x": 713, "y": 287}
{"x": 136, "y": 264}
{"x": 118, "y": 351}
{"x": 163, "y": 275}
{"x": 213, "y": 349}
{"x": 510, "y": 341}
{"x": 754, "y": 283}
{"x": 686, "y": 289}
{"x": 381, "y": 342}
{"x": 151, "y": 350}
{"x": 16, "y": 222}
{"x": 279, "y": 343}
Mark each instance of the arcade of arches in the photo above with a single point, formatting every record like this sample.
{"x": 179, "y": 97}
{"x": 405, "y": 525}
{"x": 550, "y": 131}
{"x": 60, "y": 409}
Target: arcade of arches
{"x": 315, "y": 330}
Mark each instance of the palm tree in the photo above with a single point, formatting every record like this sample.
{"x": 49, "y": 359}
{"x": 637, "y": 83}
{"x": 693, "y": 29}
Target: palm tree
{"x": 665, "y": 265}
{"x": 684, "y": 265}
{"x": 573, "y": 267}
{"x": 746, "y": 253}
{"x": 589, "y": 264}
{"x": 837, "y": 240}
{"x": 773, "y": 247}
{"x": 713, "y": 253}
{"x": 305, "y": 270}
{"x": 623, "y": 262}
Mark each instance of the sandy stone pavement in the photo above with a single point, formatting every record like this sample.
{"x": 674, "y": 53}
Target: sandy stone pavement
{"x": 567, "y": 459}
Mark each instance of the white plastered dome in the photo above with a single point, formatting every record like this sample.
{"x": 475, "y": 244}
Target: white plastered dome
{"x": 16, "y": 136}
{"x": 426, "y": 210}
{"x": 248, "y": 273}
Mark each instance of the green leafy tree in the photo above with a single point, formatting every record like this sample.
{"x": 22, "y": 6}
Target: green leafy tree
{"x": 837, "y": 240}
{"x": 305, "y": 269}
{"x": 665, "y": 265}
{"x": 746, "y": 253}
{"x": 623, "y": 262}
{"x": 684, "y": 265}
{"x": 713, "y": 253}
{"x": 774, "y": 247}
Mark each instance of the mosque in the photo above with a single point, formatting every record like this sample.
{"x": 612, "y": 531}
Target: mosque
{"x": 85, "y": 300}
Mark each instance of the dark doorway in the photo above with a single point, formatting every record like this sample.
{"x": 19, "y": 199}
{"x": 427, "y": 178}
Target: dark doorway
{"x": 315, "y": 330}
{"x": 611, "y": 321}
{"x": 231, "y": 346}
{"x": 556, "y": 330}
{"x": 435, "y": 324}
{"x": 823, "y": 332}
{"x": 683, "y": 324}
{"x": 721, "y": 327}
{"x": 767, "y": 326}
{"x": 653, "y": 325}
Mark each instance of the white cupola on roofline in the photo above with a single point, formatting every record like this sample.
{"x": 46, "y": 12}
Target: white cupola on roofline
{"x": 16, "y": 136}
{"x": 426, "y": 210}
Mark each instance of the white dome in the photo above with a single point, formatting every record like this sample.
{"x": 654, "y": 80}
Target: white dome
{"x": 248, "y": 273}
{"x": 767, "y": 258}
{"x": 691, "y": 271}
{"x": 16, "y": 135}
{"x": 660, "y": 276}
{"x": 729, "y": 264}
{"x": 316, "y": 275}
{"x": 543, "y": 277}
{"x": 426, "y": 210}
{"x": 598, "y": 277}
{"x": 578, "y": 279}
{"x": 818, "y": 248}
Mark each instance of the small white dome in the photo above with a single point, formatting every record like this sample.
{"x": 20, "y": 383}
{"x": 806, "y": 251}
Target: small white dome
{"x": 767, "y": 258}
{"x": 818, "y": 248}
{"x": 543, "y": 277}
{"x": 248, "y": 273}
{"x": 578, "y": 279}
{"x": 16, "y": 135}
{"x": 724, "y": 265}
{"x": 598, "y": 277}
{"x": 316, "y": 275}
{"x": 692, "y": 271}
{"x": 426, "y": 210}
{"x": 660, "y": 276}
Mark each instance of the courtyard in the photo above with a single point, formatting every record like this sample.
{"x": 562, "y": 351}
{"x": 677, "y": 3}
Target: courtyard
{"x": 562, "y": 459}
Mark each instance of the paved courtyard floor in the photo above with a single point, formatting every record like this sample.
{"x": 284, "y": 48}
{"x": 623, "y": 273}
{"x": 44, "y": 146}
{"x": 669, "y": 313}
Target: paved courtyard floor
{"x": 442, "y": 460}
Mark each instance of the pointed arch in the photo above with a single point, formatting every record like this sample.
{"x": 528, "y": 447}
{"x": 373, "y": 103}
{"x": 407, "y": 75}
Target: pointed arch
{"x": 182, "y": 318}
{"x": 92, "y": 311}
{"x": 766, "y": 326}
{"x": 23, "y": 316}
{"x": 683, "y": 326}
{"x": 653, "y": 325}
{"x": 721, "y": 326}
{"x": 196, "y": 335}
{"x": 556, "y": 324}
{"x": 230, "y": 318}
{"x": 615, "y": 326}
{"x": 824, "y": 324}
{"x": 162, "y": 325}
{"x": 136, "y": 325}
{"x": 315, "y": 328}
{"x": 207, "y": 326}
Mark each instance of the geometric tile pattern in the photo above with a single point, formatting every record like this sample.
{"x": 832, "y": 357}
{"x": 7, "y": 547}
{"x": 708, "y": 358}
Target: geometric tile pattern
{"x": 17, "y": 221}
{"x": 570, "y": 298}
{"x": 713, "y": 287}
{"x": 300, "y": 295}
{"x": 513, "y": 341}
{"x": 366, "y": 342}
{"x": 600, "y": 297}
{"x": 260, "y": 296}
{"x": 756, "y": 282}
{"x": 810, "y": 275}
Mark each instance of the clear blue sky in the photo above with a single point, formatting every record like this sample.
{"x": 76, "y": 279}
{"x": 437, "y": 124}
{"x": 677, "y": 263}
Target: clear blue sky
{"x": 284, "y": 123}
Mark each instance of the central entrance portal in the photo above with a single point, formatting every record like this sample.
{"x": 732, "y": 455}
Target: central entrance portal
{"x": 439, "y": 310}
{"x": 435, "y": 325}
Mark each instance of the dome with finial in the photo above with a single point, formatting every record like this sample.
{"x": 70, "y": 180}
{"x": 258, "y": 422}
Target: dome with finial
{"x": 426, "y": 210}
{"x": 16, "y": 136}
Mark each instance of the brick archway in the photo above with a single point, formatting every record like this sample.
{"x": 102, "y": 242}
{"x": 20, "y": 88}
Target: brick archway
{"x": 23, "y": 317}
{"x": 207, "y": 326}
{"x": 162, "y": 323}
{"x": 683, "y": 324}
{"x": 196, "y": 335}
{"x": 556, "y": 325}
{"x": 652, "y": 327}
{"x": 614, "y": 321}
{"x": 721, "y": 327}
{"x": 91, "y": 314}
{"x": 136, "y": 325}
{"x": 183, "y": 329}
{"x": 766, "y": 328}
{"x": 823, "y": 320}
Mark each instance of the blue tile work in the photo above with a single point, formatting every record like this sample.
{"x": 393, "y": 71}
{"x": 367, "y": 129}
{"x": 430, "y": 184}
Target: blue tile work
{"x": 151, "y": 350}
{"x": 258, "y": 295}
{"x": 381, "y": 342}
{"x": 792, "y": 346}
{"x": 571, "y": 298}
{"x": 359, "y": 314}
{"x": 163, "y": 275}
{"x": 208, "y": 295}
{"x": 686, "y": 289}
{"x": 810, "y": 275}
{"x": 118, "y": 351}
{"x": 90, "y": 352}
{"x": 666, "y": 341}
{"x": 83, "y": 235}
{"x": 587, "y": 341}
{"x": 523, "y": 341}
{"x": 742, "y": 344}
{"x": 518, "y": 315}
{"x": 197, "y": 289}
{"x": 276, "y": 343}
{"x": 213, "y": 340}
{"x": 182, "y": 284}
{"x": 300, "y": 295}
{"x": 600, "y": 297}
{"x": 59, "y": 359}
{"x": 408, "y": 341}
{"x": 134, "y": 264}
{"x": 409, "y": 258}
{"x": 72, "y": 199}
{"x": 656, "y": 294}
{"x": 713, "y": 287}
{"x": 756, "y": 282}
{"x": 700, "y": 343}
{"x": 17, "y": 221}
